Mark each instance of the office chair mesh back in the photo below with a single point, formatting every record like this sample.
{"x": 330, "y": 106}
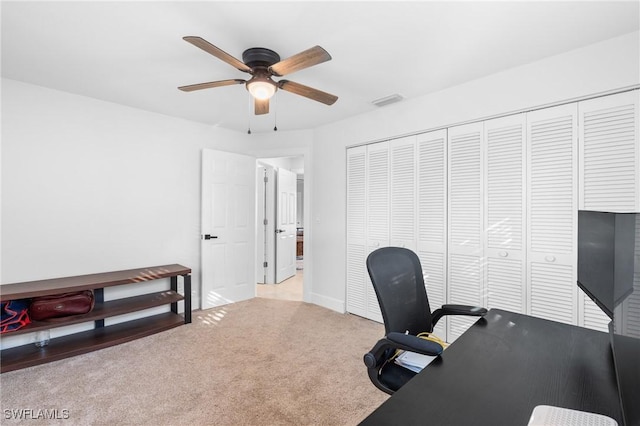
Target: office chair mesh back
{"x": 397, "y": 279}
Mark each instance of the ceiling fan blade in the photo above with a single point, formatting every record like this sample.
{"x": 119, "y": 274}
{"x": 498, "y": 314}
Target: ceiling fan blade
{"x": 308, "y": 92}
{"x": 261, "y": 106}
{"x": 310, "y": 57}
{"x": 210, "y": 85}
{"x": 217, "y": 52}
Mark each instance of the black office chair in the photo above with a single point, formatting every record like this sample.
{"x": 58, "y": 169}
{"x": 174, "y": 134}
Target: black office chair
{"x": 397, "y": 278}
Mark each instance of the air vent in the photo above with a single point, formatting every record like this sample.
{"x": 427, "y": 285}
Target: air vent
{"x": 391, "y": 99}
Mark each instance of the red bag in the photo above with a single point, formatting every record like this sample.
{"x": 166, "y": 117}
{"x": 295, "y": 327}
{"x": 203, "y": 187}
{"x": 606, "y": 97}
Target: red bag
{"x": 61, "y": 305}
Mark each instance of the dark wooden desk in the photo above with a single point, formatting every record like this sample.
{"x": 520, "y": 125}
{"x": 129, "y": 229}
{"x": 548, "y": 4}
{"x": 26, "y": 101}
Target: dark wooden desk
{"x": 501, "y": 368}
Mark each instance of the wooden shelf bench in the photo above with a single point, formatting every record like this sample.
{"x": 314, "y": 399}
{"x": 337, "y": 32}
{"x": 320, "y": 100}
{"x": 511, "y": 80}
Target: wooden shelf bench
{"x": 101, "y": 336}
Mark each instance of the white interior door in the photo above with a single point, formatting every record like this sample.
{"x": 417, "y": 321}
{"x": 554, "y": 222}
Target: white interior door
{"x": 286, "y": 225}
{"x": 356, "y": 231}
{"x": 609, "y": 160}
{"x": 465, "y": 210}
{"x": 402, "y": 178}
{"x": 505, "y": 210}
{"x": 432, "y": 218}
{"x": 377, "y": 205}
{"x": 552, "y": 210}
{"x": 228, "y": 228}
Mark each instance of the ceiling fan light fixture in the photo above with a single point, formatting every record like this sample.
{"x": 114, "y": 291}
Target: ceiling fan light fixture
{"x": 261, "y": 88}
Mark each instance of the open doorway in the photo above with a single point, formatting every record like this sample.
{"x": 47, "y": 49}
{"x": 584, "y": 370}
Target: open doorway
{"x": 280, "y": 239}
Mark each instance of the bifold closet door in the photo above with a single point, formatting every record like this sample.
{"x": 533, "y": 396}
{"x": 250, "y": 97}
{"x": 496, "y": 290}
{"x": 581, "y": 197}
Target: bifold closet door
{"x": 377, "y": 213}
{"x": 367, "y": 222}
{"x": 431, "y": 201}
{"x": 552, "y": 206}
{"x": 609, "y": 170}
{"x": 403, "y": 192}
{"x": 356, "y": 297}
{"x": 465, "y": 220}
{"x": 505, "y": 200}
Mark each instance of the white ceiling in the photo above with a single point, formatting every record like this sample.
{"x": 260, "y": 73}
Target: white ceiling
{"x": 132, "y": 53}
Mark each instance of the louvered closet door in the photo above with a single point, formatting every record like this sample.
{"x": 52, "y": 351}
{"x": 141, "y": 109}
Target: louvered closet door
{"x": 356, "y": 231}
{"x": 552, "y": 203}
{"x": 505, "y": 213}
{"x": 432, "y": 218}
{"x": 609, "y": 168}
{"x": 403, "y": 192}
{"x": 377, "y": 212}
{"x": 465, "y": 209}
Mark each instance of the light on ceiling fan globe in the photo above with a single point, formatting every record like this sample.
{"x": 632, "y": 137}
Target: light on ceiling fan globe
{"x": 262, "y": 90}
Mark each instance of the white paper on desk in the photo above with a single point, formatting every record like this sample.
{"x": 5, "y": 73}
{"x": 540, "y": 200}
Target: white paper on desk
{"x": 413, "y": 361}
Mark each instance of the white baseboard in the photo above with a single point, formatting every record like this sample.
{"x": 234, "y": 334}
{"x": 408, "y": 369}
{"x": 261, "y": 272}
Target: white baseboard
{"x": 328, "y": 302}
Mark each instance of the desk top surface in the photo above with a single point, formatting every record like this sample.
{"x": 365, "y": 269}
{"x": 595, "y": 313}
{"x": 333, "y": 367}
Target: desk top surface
{"x": 501, "y": 368}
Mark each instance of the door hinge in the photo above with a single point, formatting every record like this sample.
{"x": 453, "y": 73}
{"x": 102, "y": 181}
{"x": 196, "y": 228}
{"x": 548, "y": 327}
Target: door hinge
{"x": 264, "y": 264}
{"x": 265, "y": 222}
{"x": 266, "y": 179}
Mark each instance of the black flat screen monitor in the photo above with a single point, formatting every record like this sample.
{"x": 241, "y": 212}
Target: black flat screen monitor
{"x": 606, "y": 247}
{"x": 609, "y": 272}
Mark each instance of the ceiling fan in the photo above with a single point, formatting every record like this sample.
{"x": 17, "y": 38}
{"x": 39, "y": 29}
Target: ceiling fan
{"x": 263, "y": 64}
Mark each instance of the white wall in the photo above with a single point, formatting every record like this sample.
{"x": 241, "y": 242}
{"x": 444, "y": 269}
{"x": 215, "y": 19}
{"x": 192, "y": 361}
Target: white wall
{"x": 90, "y": 186}
{"x": 597, "y": 68}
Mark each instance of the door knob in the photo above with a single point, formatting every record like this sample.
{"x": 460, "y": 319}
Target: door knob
{"x": 210, "y": 237}
{"x": 279, "y": 231}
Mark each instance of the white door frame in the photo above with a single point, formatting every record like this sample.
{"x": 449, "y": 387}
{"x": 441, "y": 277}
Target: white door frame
{"x": 265, "y": 235}
{"x": 306, "y": 153}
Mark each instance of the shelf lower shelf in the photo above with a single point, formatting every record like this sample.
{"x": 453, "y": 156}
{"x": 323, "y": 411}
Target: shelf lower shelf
{"x": 87, "y": 341}
{"x": 105, "y": 310}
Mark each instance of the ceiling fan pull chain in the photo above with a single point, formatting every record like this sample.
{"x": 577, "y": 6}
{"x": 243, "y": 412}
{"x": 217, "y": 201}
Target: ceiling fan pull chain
{"x": 249, "y": 116}
{"x": 275, "y": 115}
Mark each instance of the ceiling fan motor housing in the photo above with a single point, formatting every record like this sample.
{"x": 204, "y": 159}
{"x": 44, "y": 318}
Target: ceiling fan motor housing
{"x": 260, "y": 57}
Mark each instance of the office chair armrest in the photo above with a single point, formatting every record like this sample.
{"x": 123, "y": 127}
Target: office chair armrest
{"x": 394, "y": 340}
{"x": 411, "y": 343}
{"x": 473, "y": 311}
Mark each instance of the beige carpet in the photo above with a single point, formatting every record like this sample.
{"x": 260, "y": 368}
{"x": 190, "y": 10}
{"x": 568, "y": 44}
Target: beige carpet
{"x": 259, "y": 362}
